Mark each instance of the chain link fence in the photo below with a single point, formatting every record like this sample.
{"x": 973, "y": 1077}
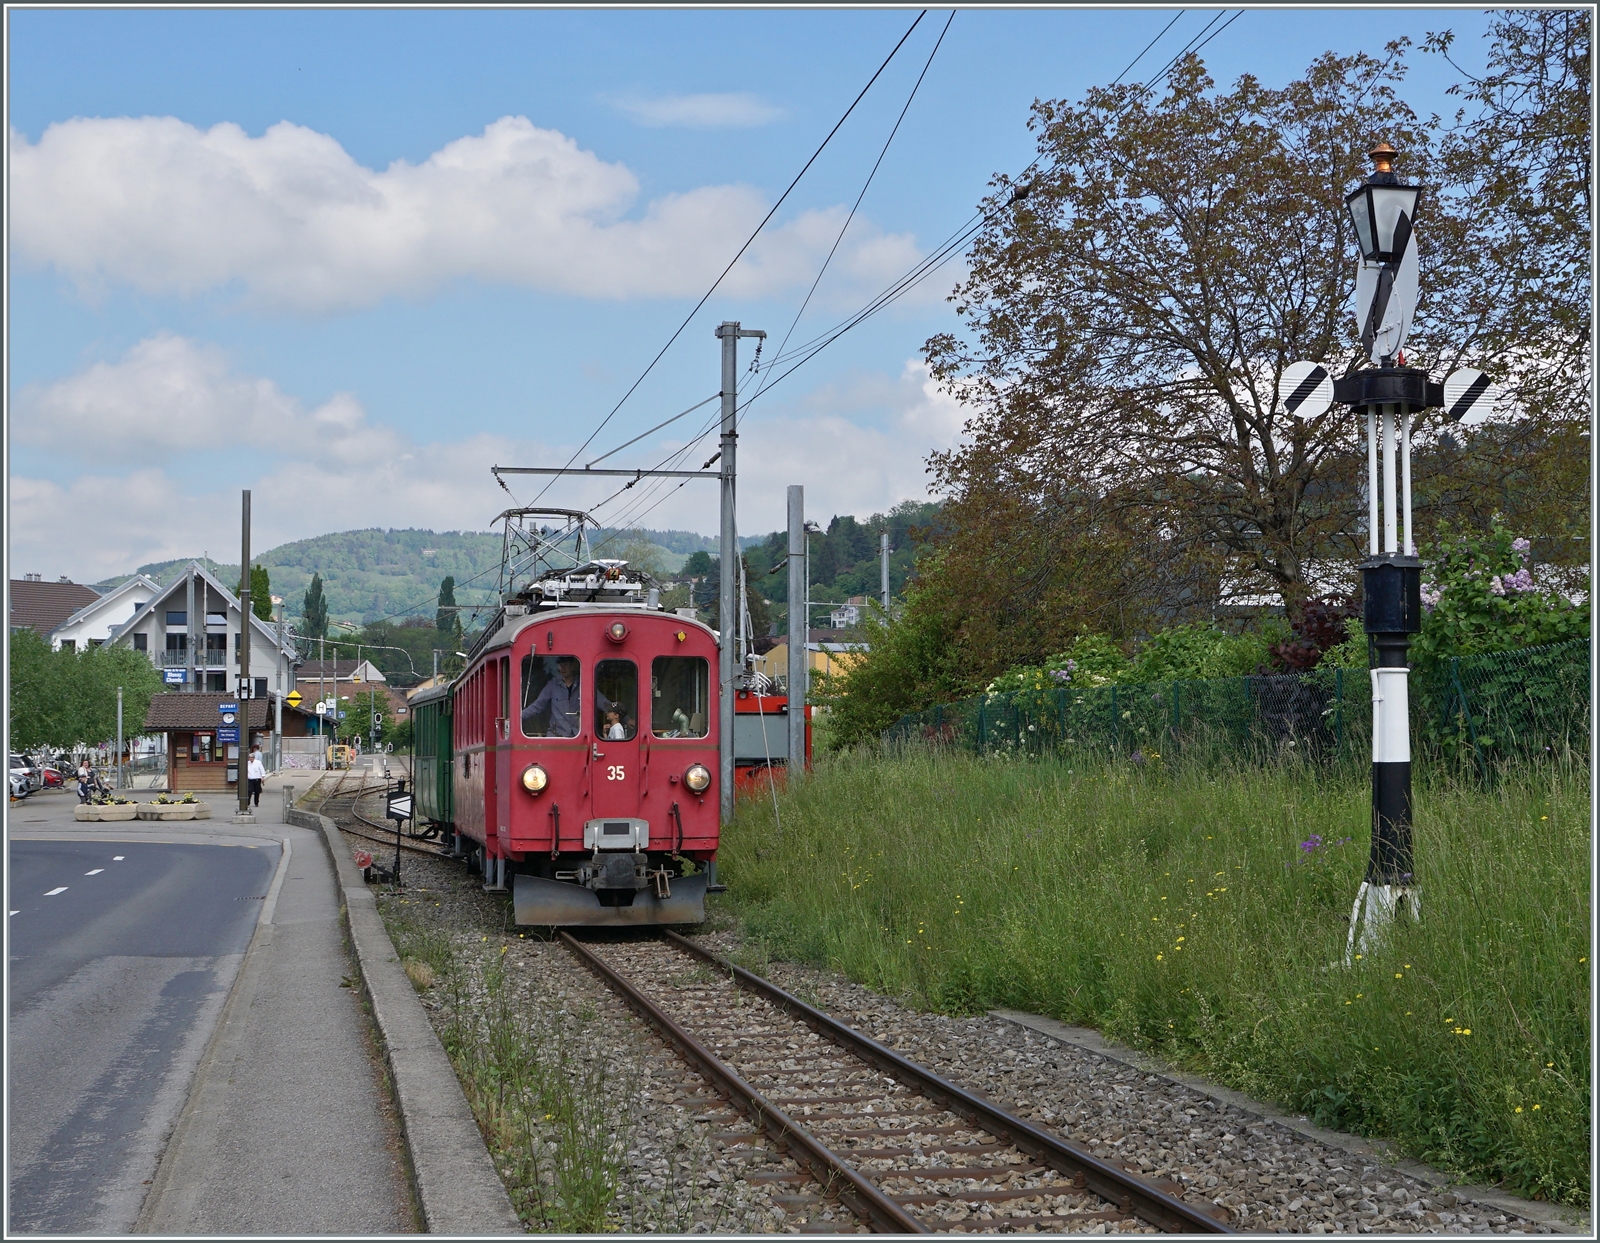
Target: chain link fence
{"x": 1525, "y": 703}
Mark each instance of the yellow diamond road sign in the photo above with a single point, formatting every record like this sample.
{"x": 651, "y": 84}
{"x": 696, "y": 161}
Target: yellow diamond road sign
{"x": 293, "y": 699}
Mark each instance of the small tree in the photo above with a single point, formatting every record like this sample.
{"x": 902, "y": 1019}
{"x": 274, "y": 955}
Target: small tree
{"x": 447, "y": 621}
{"x": 314, "y": 611}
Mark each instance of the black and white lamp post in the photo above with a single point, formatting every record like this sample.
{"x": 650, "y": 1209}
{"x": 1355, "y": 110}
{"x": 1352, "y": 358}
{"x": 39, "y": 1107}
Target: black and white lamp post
{"x": 1390, "y": 394}
{"x": 1383, "y": 212}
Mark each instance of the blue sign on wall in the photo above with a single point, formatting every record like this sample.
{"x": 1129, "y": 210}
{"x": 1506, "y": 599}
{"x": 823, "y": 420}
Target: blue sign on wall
{"x": 228, "y": 734}
{"x": 173, "y": 677}
{"x": 227, "y": 707}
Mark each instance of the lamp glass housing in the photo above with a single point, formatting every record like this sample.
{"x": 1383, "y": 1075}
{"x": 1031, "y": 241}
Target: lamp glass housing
{"x": 1375, "y": 210}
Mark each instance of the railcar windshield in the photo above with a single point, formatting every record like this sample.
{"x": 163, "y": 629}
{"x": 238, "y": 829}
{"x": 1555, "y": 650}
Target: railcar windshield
{"x": 550, "y": 696}
{"x": 680, "y": 687}
{"x": 616, "y": 700}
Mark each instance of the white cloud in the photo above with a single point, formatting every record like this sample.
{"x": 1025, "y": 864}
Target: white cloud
{"x": 858, "y": 447}
{"x": 293, "y": 221}
{"x": 724, "y": 110}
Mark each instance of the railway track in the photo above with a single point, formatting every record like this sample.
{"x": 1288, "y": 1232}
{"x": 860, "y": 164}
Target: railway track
{"x": 904, "y": 1150}
{"x": 347, "y": 808}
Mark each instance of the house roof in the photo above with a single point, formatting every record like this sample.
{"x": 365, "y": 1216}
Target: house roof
{"x": 336, "y": 670}
{"x": 192, "y": 710}
{"x": 44, "y": 606}
{"x": 112, "y": 598}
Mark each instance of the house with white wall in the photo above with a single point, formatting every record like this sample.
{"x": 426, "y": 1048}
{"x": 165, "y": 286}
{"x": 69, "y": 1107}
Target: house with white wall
{"x": 100, "y": 620}
{"x": 190, "y": 630}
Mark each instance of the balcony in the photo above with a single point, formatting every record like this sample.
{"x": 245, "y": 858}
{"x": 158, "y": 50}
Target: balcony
{"x": 210, "y": 658}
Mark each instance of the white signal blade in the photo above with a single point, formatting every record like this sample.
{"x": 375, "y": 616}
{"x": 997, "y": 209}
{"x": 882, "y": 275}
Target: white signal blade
{"x": 1306, "y": 389}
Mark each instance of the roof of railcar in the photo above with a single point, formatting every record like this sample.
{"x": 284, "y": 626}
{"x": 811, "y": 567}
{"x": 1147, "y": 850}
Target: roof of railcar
{"x": 511, "y": 627}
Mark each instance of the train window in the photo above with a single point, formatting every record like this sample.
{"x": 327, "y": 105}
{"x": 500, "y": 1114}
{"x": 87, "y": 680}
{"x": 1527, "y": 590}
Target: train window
{"x": 550, "y": 696}
{"x": 680, "y": 688}
{"x": 616, "y": 699}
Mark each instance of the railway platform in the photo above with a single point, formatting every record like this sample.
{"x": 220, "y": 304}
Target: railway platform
{"x": 269, "y": 1113}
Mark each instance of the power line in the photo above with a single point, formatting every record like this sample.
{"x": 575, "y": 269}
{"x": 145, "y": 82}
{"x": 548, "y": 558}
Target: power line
{"x": 854, "y": 207}
{"x": 748, "y": 241}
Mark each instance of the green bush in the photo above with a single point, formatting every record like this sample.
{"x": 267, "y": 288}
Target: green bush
{"x": 1202, "y": 913}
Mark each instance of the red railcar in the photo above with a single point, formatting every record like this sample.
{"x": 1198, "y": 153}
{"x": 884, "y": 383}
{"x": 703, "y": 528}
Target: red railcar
{"x": 586, "y": 758}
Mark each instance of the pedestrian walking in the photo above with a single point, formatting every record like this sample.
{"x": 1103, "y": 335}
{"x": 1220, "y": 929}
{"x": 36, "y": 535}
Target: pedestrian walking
{"x": 83, "y": 781}
{"x": 256, "y": 773}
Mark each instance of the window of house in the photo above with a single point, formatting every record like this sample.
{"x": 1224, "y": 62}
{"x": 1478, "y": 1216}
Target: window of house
{"x": 69, "y": 645}
{"x": 179, "y": 618}
{"x": 178, "y": 642}
{"x": 217, "y": 683}
{"x": 680, "y": 687}
{"x": 141, "y": 643}
{"x": 216, "y": 619}
{"x": 200, "y": 746}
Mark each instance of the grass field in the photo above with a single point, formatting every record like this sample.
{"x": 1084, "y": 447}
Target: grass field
{"x": 1202, "y": 913}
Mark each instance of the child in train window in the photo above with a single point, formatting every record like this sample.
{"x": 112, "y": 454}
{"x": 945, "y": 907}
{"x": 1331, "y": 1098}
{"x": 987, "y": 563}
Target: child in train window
{"x": 616, "y": 698}
{"x": 615, "y": 729}
{"x": 679, "y": 689}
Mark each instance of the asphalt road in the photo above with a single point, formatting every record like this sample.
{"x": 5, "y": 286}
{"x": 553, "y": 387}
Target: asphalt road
{"x": 121, "y": 956}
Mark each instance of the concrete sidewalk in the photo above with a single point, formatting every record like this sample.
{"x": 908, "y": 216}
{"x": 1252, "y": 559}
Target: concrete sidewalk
{"x": 287, "y": 1129}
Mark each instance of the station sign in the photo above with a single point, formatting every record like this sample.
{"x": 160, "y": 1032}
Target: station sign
{"x": 226, "y": 707}
{"x": 174, "y": 677}
{"x": 228, "y": 733}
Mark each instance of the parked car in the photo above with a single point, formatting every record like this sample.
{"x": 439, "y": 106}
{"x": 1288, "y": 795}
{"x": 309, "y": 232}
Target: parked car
{"x": 29, "y": 771}
{"x": 19, "y": 785}
{"x": 54, "y": 778}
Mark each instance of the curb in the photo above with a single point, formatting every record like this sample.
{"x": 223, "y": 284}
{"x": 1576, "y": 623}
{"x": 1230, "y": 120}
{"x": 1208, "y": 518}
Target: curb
{"x": 1558, "y": 1217}
{"x": 457, "y": 1185}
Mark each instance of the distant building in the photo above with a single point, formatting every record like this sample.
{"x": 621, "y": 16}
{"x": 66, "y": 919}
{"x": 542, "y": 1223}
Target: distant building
{"x": 847, "y": 615}
{"x": 104, "y": 617}
{"x": 41, "y": 606}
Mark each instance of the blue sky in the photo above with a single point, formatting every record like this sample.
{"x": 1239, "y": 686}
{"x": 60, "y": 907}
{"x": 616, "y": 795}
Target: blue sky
{"x": 279, "y": 304}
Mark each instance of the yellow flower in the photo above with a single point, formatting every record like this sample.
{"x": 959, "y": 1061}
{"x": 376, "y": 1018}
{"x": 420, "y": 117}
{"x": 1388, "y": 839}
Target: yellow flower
{"x": 1158, "y": 957}
{"x": 1542, "y": 818}
{"x": 1180, "y": 938}
{"x": 1519, "y": 1108}
{"x": 1536, "y": 1107}
{"x": 1398, "y": 976}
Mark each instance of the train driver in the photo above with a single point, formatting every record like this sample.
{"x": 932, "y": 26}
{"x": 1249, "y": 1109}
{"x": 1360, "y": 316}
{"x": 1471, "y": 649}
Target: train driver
{"x": 559, "y": 699}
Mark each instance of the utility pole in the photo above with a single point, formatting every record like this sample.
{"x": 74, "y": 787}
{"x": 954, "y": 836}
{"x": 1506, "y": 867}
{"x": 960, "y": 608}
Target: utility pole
{"x": 189, "y": 660}
{"x": 277, "y": 718}
{"x": 728, "y": 332}
{"x": 120, "y": 783}
{"x": 797, "y": 630}
{"x": 244, "y": 657}
{"x": 885, "y": 553}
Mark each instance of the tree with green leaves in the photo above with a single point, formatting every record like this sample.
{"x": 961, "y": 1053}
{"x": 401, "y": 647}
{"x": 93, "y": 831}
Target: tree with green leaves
{"x": 59, "y": 698}
{"x": 260, "y": 592}
{"x": 314, "y": 611}
{"x": 447, "y": 621}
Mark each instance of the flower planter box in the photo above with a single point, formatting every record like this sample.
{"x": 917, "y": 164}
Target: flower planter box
{"x": 169, "y": 811}
{"x": 114, "y": 811}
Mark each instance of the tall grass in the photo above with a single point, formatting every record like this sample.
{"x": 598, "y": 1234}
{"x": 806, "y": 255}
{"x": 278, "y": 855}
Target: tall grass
{"x": 1202, "y": 913}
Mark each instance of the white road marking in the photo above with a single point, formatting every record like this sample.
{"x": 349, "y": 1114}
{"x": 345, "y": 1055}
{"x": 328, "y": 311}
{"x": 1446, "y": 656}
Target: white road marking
{"x": 96, "y": 872}
{"x": 116, "y": 858}
{"x": 56, "y": 890}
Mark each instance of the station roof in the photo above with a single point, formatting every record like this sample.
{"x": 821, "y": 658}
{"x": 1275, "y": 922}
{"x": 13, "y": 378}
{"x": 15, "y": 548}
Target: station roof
{"x": 196, "y": 710}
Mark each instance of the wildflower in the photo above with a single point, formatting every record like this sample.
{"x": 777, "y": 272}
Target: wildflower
{"x": 1398, "y": 976}
{"x": 1536, "y": 1108}
{"x": 1159, "y": 957}
{"x": 1496, "y": 586}
{"x": 1311, "y": 843}
{"x": 1519, "y": 1108}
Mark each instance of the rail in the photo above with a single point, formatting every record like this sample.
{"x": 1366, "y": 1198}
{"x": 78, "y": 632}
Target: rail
{"x": 1130, "y": 1194}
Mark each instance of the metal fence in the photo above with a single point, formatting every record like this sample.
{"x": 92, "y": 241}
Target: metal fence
{"x": 1529, "y": 702}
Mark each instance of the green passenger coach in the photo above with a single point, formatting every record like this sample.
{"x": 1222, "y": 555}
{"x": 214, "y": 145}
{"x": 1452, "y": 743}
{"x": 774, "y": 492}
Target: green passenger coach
{"x": 432, "y": 764}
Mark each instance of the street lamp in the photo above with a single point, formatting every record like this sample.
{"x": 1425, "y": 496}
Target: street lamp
{"x": 1383, "y": 209}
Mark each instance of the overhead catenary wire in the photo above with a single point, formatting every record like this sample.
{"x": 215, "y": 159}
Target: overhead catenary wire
{"x": 747, "y": 243}
{"x": 952, "y": 246}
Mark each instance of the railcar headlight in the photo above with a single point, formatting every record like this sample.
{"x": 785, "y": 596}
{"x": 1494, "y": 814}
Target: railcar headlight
{"x": 698, "y": 778}
{"x": 534, "y": 779}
